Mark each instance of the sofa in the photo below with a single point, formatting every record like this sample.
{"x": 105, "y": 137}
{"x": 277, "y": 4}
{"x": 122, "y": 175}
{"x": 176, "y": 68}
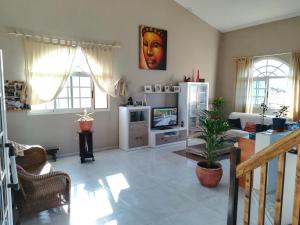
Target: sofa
{"x": 246, "y": 118}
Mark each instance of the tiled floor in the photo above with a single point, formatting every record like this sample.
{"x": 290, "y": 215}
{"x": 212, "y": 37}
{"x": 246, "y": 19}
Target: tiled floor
{"x": 144, "y": 187}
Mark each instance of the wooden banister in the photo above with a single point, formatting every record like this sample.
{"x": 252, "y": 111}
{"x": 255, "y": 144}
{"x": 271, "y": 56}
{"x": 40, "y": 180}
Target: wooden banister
{"x": 262, "y": 194}
{"x": 247, "y": 199}
{"x": 261, "y": 160}
{"x": 275, "y": 149}
{"x": 279, "y": 189}
{"x": 296, "y": 208}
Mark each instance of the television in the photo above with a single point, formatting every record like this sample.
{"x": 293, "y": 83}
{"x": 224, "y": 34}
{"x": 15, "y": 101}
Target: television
{"x": 164, "y": 117}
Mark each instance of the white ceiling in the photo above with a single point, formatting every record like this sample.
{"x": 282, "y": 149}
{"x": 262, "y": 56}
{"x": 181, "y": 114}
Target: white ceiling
{"x": 228, "y": 15}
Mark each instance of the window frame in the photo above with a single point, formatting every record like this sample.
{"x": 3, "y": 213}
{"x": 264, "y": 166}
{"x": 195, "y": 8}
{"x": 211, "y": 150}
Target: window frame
{"x": 74, "y": 110}
{"x": 266, "y": 79}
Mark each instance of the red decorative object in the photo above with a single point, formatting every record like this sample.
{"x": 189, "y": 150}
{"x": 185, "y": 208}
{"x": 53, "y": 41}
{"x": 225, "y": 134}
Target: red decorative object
{"x": 209, "y": 177}
{"x": 196, "y": 76}
{"x": 86, "y": 125}
{"x": 250, "y": 127}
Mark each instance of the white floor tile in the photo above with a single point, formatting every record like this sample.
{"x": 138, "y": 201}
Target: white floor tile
{"x": 144, "y": 187}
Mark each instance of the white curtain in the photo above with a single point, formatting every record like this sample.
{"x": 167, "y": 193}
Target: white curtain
{"x": 99, "y": 59}
{"x": 244, "y": 79}
{"x": 47, "y": 67}
{"x": 295, "y": 71}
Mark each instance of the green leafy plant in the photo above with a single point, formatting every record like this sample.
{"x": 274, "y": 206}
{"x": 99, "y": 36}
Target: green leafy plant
{"x": 85, "y": 116}
{"x": 212, "y": 128}
{"x": 130, "y": 101}
{"x": 264, "y": 109}
{"x": 282, "y": 112}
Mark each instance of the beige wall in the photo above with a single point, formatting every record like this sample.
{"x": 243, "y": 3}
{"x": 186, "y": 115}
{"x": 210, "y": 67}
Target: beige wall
{"x": 191, "y": 44}
{"x": 276, "y": 37}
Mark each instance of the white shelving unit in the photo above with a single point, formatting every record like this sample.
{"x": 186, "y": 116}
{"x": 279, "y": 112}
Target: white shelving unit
{"x": 192, "y": 99}
{"x": 134, "y": 127}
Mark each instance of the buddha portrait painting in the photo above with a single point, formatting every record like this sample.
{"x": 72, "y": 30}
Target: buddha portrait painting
{"x": 153, "y": 48}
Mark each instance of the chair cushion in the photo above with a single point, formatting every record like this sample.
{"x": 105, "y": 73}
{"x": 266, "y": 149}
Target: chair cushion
{"x": 250, "y": 127}
{"x": 42, "y": 169}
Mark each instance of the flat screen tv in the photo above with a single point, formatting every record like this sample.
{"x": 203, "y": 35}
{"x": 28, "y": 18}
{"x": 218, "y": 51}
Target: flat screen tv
{"x": 164, "y": 117}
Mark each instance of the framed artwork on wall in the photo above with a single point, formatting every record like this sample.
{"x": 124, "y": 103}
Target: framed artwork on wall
{"x": 147, "y": 88}
{"x": 167, "y": 88}
{"x": 176, "y": 89}
{"x": 153, "y": 48}
{"x": 157, "y": 87}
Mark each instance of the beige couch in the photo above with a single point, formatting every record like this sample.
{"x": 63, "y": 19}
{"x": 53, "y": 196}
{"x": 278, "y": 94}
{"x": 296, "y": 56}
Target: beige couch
{"x": 247, "y": 117}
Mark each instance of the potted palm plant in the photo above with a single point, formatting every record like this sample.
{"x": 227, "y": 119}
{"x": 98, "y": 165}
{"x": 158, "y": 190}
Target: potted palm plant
{"x": 212, "y": 128}
{"x": 85, "y": 120}
{"x": 280, "y": 118}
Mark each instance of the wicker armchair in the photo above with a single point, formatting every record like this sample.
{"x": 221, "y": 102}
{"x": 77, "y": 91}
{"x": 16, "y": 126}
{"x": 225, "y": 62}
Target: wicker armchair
{"x": 41, "y": 188}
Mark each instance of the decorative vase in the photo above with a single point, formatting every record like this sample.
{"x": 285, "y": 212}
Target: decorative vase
{"x": 196, "y": 76}
{"x": 209, "y": 177}
{"x": 279, "y": 124}
{"x": 85, "y": 125}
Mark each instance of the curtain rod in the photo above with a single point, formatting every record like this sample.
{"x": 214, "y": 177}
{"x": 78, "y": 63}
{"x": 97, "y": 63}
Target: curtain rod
{"x": 260, "y": 56}
{"x": 57, "y": 40}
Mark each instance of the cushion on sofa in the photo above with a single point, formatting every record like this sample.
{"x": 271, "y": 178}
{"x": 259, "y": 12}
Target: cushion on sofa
{"x": 235, "y": 123}
{"x": 262, "y": 127}
{"x": 250, "y": 127}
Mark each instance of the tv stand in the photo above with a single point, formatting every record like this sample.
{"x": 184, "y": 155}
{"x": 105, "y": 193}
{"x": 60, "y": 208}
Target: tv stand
{"x": 162, "y": 128}
{"x": 171, "y": 135}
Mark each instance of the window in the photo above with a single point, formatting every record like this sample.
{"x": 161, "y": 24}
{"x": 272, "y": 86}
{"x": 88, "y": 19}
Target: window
{"x": 79, "y": 91}
{"x": 271, "y": 83}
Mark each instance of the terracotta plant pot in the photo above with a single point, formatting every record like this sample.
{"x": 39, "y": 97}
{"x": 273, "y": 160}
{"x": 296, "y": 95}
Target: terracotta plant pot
{"x": 86, "y": 125}
{"x": 209, "y": 177}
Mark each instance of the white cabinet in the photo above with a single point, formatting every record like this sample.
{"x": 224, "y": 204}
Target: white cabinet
{"x": 192, "y": 99}
{"x": 134, "y": 127}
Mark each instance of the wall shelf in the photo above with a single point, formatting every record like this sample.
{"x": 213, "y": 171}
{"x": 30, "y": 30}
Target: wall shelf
{"x": 161, "y": 92}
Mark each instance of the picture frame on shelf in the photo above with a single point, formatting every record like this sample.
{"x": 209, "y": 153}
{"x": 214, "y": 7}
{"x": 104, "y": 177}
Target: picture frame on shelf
{"x": 157, "y": 87}
{"x": 148, "y": 89}
{"x": 176, "y": 89}
{"x": 167, "y": 89}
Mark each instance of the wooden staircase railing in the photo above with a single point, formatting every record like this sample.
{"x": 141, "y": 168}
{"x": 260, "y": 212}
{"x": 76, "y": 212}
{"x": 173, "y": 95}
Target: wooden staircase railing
{"x": 261, "y": 159}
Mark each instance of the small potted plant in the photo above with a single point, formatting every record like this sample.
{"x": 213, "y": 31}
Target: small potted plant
{"x": 212, "y": 128}
{"x": 130, "y": 101}
{"x": 262, "y": 126}
{"x": 280, "y": 118}
{"x": 85, "y": 120}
